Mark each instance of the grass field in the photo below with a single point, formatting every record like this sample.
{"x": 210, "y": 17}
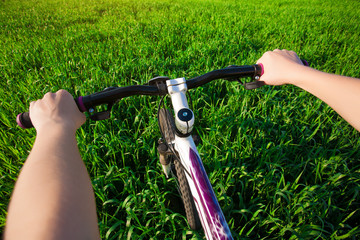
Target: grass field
{"x": 283, "y": 164}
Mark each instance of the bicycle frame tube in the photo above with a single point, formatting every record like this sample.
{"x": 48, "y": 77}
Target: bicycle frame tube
{"x": 210, "y": 213}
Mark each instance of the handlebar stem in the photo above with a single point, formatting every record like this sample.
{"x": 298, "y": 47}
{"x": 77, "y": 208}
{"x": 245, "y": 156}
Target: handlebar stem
{"x": 184, "y": 117}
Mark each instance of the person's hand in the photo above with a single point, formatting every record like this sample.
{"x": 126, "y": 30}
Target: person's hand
{"x": 56, "y": 110}
{"x": 280, "y": 67}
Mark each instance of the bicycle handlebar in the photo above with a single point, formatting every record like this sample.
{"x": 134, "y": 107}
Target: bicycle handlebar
{"x": 113, "y": 94}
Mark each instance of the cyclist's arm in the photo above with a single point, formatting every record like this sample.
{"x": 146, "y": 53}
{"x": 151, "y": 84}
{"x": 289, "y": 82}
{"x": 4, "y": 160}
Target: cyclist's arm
{"x": 339, "y": 92}
{"x": 53, "y": 196}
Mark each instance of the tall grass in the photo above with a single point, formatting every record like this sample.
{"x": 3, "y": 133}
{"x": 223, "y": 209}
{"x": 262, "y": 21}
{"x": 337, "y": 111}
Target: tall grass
{"x": 283, "y": 164}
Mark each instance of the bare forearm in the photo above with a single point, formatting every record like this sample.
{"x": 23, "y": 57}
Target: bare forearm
{"x": 339, "y": 92}
{"x": 58, "y": 192}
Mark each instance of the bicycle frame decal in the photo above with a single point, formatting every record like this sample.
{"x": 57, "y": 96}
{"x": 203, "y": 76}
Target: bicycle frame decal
{"x": 219, "y": 228}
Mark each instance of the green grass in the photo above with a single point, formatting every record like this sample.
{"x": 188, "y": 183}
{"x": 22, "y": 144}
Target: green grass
{"x": 283, "y": 164}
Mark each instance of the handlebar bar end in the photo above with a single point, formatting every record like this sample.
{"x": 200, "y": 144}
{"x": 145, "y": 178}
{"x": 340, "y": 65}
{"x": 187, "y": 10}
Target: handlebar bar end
{"x": 305, "y": 62}
{"x": 262, "y": 69}
{"x": 23, "y": 120}
{"x": 18, "y": 121}
{"x": 80, "y": 104}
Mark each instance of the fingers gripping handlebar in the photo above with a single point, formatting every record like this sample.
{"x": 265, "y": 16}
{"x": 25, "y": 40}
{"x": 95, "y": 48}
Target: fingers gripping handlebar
{"x": 23, "y": 120}
{"x": 108, "y": 97}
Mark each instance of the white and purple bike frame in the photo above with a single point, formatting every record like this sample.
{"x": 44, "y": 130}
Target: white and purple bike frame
{"x": 207, "y": 205}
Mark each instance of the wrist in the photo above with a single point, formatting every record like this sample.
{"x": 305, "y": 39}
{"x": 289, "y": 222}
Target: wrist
{"x": 300, "y": 75}
{"x": 56, "y": 129}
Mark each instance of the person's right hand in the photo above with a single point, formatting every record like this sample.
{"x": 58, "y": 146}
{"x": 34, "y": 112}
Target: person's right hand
{"x": 56, "y": 110}
{"x": 280, "y": 67}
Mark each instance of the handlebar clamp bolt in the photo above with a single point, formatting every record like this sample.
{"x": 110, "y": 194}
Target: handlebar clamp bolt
{"x": 185, "y": 114}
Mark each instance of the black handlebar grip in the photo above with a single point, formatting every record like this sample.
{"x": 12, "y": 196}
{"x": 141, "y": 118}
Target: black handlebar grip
{"x": 24, "y": 121}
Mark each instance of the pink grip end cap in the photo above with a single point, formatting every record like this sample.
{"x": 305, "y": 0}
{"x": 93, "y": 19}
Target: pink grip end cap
{"x": 19, "y": 122}
{"x": 262, "y": 68}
